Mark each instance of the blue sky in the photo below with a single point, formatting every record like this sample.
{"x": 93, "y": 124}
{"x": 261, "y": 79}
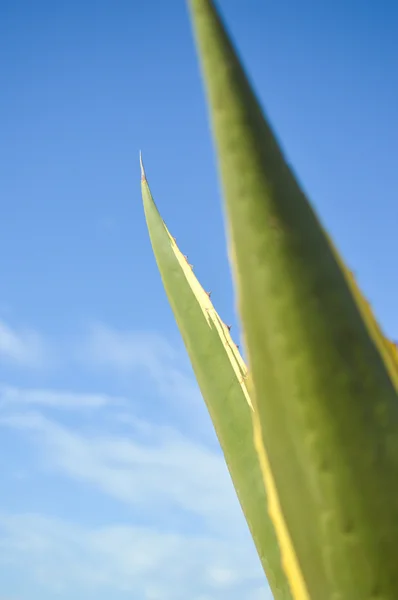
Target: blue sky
{"x": 113, "y": 484}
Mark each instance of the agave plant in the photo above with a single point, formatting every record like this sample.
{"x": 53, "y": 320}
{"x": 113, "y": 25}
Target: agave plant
{"x": 310, "y": 437}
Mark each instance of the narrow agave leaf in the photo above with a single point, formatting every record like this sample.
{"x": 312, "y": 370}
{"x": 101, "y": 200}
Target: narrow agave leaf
{"x": 325, "y": 405}
{"x": 222, "y": 378}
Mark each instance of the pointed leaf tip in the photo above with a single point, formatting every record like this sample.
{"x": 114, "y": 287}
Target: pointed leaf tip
{"x": 143, "y": 176}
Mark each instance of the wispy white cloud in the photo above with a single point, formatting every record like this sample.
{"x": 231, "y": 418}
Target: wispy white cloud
{"x": 159, "y": 472}
{"x": 114, "y": 560}
{"x": 131, "y": 351}
{"x": 23, "y": 347}
{"x": 12, "y": 397}
{"x": 157, "y": 468}
{"x": 140, "y": 355}
{"x": 125, "y": 351}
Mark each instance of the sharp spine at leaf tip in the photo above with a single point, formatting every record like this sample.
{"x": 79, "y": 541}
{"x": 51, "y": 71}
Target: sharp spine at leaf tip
{"x": 143, "y": 176}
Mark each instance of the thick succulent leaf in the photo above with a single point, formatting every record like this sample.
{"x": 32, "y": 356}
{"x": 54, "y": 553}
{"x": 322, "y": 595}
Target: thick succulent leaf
{"x": 325, "y": 404}
{"x": 222, "y": 378}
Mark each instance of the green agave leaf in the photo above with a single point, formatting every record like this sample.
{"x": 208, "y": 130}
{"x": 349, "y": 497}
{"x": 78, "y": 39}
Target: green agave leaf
{"x": 222, "y": 378}
{"x": 325, "y": 401}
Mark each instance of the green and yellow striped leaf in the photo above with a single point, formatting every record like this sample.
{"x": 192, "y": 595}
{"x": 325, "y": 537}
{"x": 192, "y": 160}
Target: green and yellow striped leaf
{"x": 222, "y": 378}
